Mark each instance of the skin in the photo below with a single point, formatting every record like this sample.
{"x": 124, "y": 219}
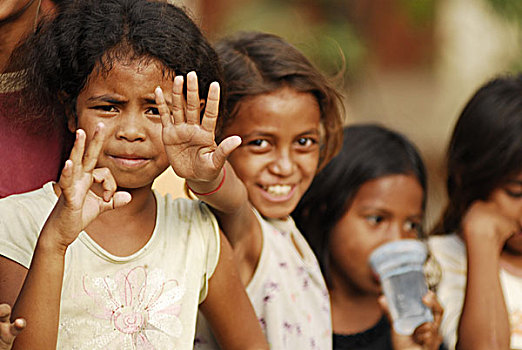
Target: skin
{"x": 13, "y": 30}
{"x": 276, "y": 162}
{"x": 383, "y": 210}
{"x": 492, "y": 231}
{"x": 126, "y": 136}
{"x": 277, "y": 150}
{"x": 8, "y": 330}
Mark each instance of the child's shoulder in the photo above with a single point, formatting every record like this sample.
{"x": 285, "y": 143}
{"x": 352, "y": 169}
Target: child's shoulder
{"x": 33, "y": 203}
{"x": 449, "y": 250}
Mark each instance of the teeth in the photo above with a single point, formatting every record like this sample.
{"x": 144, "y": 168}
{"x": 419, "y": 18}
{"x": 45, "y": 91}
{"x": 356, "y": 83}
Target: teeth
{"x": 279, "y": 190}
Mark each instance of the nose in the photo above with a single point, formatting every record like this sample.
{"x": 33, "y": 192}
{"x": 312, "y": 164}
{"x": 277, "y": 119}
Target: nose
{"x": 130, "y": 127}
{"x": 283, "y": 164}
{"x": 398, "y": 231}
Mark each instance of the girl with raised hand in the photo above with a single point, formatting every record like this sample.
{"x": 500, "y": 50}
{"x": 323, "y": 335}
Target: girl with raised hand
{"x": 99, "y": 260}
{"x": 290, "y": 120}
{"x": 371, "y": 193}
{"x": 478, "y": 240}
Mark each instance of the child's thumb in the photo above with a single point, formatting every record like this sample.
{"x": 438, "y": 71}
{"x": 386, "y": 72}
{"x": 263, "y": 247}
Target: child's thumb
{"x": 17, "y": 326}
{"x": 225, "y": 148}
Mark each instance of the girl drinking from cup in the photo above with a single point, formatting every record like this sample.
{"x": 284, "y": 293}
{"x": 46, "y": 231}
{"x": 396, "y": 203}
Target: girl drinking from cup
{"x": 372, "y": 193}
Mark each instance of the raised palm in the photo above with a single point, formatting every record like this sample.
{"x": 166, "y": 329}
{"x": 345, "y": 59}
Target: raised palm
{"x": 189, "y": 143}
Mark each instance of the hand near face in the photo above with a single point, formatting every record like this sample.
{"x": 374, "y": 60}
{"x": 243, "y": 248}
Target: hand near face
{"x": 8, "y": 330}
{"x": 189, "y": 143}
{"x": 427, "y": 335}
{"x": 86, "y": 191}
{"x": 485, "y": 223}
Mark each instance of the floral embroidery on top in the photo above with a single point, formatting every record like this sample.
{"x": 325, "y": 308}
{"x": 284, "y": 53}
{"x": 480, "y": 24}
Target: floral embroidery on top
{"x": 140, "y": 307}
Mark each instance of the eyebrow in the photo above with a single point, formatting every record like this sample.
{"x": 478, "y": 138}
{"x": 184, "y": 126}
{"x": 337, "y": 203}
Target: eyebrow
{"x": 149, "y": 99}
{"x": 269, "y": 134}
{"x": 107, "y": 98}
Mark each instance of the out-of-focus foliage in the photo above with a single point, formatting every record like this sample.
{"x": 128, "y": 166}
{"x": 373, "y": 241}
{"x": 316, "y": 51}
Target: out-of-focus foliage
{"x": 419, "y": 12}
{"x": 511, "y": 9}
{"x": 328, "y": 41}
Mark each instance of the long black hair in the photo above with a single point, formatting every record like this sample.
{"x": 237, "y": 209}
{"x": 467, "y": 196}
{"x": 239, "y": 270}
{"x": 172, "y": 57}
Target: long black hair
{"x": 369, "y": 152}
{"x": 485, "y": 149}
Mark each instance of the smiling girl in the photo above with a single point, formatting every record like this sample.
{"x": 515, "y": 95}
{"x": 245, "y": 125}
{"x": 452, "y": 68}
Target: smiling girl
{"x": 289, "y": 118}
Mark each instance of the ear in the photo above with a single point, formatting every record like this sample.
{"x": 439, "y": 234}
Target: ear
{"x": 202, "y": 104}
{"x": 72, "y": 120}
{"x": 72, "y": 123}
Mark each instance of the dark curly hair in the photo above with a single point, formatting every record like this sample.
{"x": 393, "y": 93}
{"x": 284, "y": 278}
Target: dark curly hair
{"x": 91, "y": 35}
{"x": 257, "y": 63}
{"x": 485, "y": 149}
{"x": 369, "y": 152}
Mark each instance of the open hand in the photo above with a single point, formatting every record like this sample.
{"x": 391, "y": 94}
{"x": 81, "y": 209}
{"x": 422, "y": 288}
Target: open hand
{"x": 189, "y": 143}
{"x": 86, "y": 191}
{"x": 426, "y": 336}
{"x": 8, "y": 330}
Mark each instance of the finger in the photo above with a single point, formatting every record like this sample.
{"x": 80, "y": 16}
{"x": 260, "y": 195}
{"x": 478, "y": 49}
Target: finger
{"x": 66, "y": 177}
{"x": 383, "y": 303}
{"x": 192, "y": 99}
{"x": 77, "y": 151}
{"x": 94, "y": 149}
{"x": 163, "y": 109}
{"x": 17, "y": 326}
{"x": 5, "y": 312}
{"x": 121, "y": 198}
{"x": 225, "y": 148}
{"x": 178, "y": 101}
{"x": 431, "y": 301}
{"x": 212, "y": 108}
{"x": 105, "y": 178}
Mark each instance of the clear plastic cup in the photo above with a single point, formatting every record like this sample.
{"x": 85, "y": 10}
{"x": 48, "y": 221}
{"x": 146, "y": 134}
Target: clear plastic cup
{"x": 399, "y": 265}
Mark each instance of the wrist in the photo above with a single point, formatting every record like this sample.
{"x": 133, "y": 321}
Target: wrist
{"x": 207, "y": 188}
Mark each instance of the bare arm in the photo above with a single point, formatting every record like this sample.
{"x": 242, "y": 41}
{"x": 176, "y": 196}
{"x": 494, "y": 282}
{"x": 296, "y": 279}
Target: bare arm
{"x": 484, "y": 322}
{"x": 228, "y": 309}
{"x": 78, "y": 205}
{"x": 195, "y": 156}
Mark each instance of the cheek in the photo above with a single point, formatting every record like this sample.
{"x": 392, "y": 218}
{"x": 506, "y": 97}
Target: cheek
{"x": 245, "y": 166}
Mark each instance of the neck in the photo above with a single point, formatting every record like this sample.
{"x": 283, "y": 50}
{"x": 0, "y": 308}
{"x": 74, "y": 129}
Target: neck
{"x": 353, "y": 310}
{"x": 13, "y": 29}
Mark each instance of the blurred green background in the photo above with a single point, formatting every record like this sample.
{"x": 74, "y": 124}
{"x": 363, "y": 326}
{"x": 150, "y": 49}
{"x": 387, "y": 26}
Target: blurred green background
{"x": 408, "y": 64}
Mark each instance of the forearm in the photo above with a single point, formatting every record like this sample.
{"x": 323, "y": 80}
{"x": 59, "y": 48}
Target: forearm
{"x": 39, "y": 299}
{"x": 484, "y": 322}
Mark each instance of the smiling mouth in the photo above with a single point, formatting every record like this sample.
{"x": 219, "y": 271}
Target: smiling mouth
{"x": 278, "y": 190}
{"x": 278, "y": 193}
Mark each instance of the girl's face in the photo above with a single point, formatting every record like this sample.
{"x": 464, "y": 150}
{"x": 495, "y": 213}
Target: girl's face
{"x": 280, "y": 151}
{"x": 384, "y": 209}
{"x": 123, "y": 100}
{"x": 509, "y": 199}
